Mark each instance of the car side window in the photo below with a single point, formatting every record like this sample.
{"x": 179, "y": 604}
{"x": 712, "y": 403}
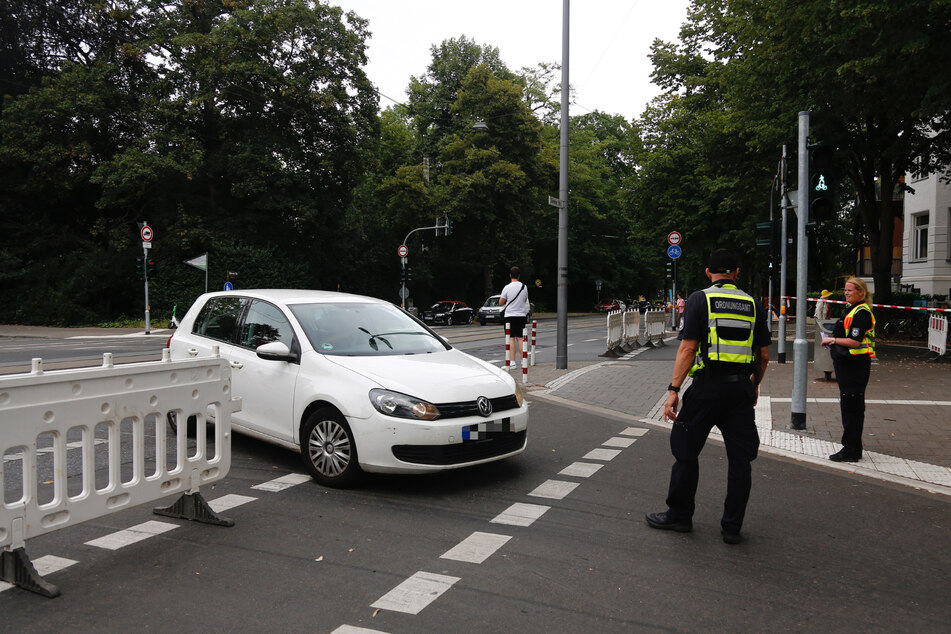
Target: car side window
{"x": 263, "y": 324}
{"x": 218, "y": 318}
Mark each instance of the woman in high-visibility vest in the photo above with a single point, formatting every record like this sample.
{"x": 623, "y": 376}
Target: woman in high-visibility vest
{"x": 852, "y": 346}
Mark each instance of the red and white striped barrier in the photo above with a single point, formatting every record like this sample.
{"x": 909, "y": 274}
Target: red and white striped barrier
{"x": 508, "y": 345}
{"x": 534, "y": 336}
{"x": 938, "y": 334}
{"x": 838, "y": 301}
{"x": 524, "y": 363}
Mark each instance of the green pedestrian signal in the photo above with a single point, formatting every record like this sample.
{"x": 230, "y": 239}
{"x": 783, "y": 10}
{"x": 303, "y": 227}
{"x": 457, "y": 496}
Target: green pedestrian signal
{"x": 821, "y": 182}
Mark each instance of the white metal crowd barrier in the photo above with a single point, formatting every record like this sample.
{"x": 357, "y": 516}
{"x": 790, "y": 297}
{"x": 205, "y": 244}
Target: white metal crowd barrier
{"x": 106, "y": 415}
{"x": 938, "y": 334}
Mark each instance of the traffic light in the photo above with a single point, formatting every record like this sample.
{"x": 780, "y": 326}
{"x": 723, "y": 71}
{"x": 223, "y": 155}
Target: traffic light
{"x": 768, "y": 236}
{"x": 821, "y": 182}
{"x": 406, "y": 274}
{"x": 670, "y": 269}
{"x": 140, "y": 267}
{"x": 448, "y": 226}
{"x": 150, "y": 269}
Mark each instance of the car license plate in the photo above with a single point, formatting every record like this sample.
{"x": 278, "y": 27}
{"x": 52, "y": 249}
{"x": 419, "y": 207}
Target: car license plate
{"x": 481, "y": 431}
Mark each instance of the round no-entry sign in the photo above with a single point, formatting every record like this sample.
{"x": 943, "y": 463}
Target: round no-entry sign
{"x": 673, "y": 237}
{"x": 146, "y": 233}
{"x": 402, "y": 251}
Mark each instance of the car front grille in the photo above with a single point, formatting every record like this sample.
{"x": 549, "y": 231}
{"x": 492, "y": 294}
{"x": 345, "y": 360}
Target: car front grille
{"x": 470, "y": 408}
{"x": 496, "y": 444}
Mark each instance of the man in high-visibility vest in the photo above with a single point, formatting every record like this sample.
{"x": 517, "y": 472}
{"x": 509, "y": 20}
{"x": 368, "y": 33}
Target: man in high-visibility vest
{"x": 724, "y": 347}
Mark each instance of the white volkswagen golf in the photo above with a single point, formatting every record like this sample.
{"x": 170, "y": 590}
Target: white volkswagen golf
{"x": 354, "y": 383}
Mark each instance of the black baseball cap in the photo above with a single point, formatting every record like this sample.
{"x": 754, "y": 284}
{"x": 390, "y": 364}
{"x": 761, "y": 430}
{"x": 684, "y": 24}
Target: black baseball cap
{"x": 722, "y": 261}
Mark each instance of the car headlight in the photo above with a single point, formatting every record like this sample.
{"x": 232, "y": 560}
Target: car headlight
{"x": 519, "y": 394}
{"x": 401, "y": 405}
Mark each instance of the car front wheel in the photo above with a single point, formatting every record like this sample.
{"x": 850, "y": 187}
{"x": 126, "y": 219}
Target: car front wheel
{"x": 449, "y": 320}
{"x": 328, "y": 449}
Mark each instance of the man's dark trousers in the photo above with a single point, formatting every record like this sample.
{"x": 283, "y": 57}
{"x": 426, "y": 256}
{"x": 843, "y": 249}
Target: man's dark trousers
{"x": 728, "y": 404}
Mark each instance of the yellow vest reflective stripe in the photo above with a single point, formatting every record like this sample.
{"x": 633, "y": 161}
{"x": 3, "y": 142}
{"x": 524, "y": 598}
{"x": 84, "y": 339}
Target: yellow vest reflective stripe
{"x": 731, "y": 317}
{"x": 867, "y": 346}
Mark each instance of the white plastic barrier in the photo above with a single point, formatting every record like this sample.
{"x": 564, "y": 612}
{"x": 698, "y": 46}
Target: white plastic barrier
{"x": 632, "y": 329}
{"x": 655, "y": 322}
{"x": 615, "y": 322}
{"x": 938, "y": 334}
{"x": 93, "y": 412}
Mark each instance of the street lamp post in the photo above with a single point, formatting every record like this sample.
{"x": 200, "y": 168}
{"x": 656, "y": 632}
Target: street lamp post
{"x": 561, "y": 344}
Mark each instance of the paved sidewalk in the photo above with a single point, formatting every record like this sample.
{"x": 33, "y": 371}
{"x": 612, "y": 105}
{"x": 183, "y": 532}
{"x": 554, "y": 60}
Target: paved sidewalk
{"x": 907, "y": 421}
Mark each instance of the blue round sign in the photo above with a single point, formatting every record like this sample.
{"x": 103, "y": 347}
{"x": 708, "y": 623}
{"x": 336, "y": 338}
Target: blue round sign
{"x": 673, "y": 252}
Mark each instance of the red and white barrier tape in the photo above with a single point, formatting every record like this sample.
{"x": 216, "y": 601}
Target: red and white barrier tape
{"x": 837, "y": 301}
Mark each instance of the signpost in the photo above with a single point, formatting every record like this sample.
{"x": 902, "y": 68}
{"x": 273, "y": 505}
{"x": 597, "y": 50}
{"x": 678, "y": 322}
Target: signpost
{"x": 145, "y": 231}
{"x": 673, "y": 252}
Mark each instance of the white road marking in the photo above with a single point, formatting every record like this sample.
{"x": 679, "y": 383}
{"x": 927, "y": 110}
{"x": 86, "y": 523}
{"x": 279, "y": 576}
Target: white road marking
{"x": 869, "y": 401}
{"x": 45, "y": 565}
{"x": 284, "y": 482}
{"x": 602, "y": 454}
{"x": 476, "y": 548}
{"x": 132, "y": 535}
{"x": 553, "y": 489}
{"x": 520, "y": 514}
{"x": 618, "y": 442}
{"x": 352, "y": 629}
{"x": 230, "y": 501}
{"x": 634, "y": 431}
{"x": 580, "y": 469}
{"x": 415, "y": 593}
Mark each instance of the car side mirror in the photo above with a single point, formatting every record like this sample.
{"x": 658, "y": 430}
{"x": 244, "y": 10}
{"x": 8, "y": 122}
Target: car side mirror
{"x": 276, "y": 351}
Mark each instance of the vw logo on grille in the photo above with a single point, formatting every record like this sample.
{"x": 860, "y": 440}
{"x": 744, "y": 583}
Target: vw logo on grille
{"x": 485, "y": 406}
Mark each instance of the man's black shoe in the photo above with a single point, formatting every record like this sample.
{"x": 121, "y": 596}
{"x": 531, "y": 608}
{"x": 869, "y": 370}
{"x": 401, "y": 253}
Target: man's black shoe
{"x": 843, "y": 456}
{"x": 664, "y": 522}
{"x": 731, "y": 538}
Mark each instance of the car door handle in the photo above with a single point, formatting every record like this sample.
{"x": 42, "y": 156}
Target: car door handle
{"x": 237, "y": 365}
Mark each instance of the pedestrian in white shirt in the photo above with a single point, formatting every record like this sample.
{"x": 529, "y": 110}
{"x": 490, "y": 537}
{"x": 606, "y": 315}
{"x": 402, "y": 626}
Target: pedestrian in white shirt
{"x": 515, "y": 310}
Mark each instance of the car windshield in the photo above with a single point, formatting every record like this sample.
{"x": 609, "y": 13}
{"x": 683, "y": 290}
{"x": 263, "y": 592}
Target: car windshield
{"x": 360, "y": 329}
{"x": 442, "y": 307}
{"x": 493, "y": 301}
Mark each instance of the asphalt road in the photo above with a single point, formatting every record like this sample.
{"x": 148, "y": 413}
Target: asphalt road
{"x": 516, "y": 545}
{"x": 824, "y": 551}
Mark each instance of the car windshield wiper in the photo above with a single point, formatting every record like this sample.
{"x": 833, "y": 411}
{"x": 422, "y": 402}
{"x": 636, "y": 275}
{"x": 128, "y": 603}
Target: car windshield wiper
{"x": 405, "y": 332}
{"x": 373, "y": 338}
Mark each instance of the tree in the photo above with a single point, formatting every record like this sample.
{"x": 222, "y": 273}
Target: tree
{"x": 865, "y": 71}
{"x": 252, "y": 115}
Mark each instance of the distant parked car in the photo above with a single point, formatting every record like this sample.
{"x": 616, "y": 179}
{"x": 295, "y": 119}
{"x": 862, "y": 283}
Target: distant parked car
{"x": 448, "y": 312}
{"x": 492, "y": 312}
{"x": 608, "y": 305}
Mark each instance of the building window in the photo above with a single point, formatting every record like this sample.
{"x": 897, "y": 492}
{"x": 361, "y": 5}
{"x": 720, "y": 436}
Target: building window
{"x": 920, "y": 237}
{"x": 918, "y": 171}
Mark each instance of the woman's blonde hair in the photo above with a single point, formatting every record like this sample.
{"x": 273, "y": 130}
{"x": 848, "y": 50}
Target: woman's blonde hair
{"x": 861, "y": 285}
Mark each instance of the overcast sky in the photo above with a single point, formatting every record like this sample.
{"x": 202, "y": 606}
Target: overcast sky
{"x": 610, "y": 40}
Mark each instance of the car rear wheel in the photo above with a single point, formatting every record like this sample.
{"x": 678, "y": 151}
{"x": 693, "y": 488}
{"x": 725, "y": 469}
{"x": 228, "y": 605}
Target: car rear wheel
{"x": 469, "y": 320}
{"x": 328, "y": 449}
{"x": 191, "y": 424}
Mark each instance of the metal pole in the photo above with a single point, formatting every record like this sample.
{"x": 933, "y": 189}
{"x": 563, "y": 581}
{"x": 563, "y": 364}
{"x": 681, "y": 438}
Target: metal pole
{"x": 800, "y": 345}
{"x": 145, "y": 274}
{"x": 781, "y": 345}
{"x": 769, "y": 291}
{"x": 561, "y": 347}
